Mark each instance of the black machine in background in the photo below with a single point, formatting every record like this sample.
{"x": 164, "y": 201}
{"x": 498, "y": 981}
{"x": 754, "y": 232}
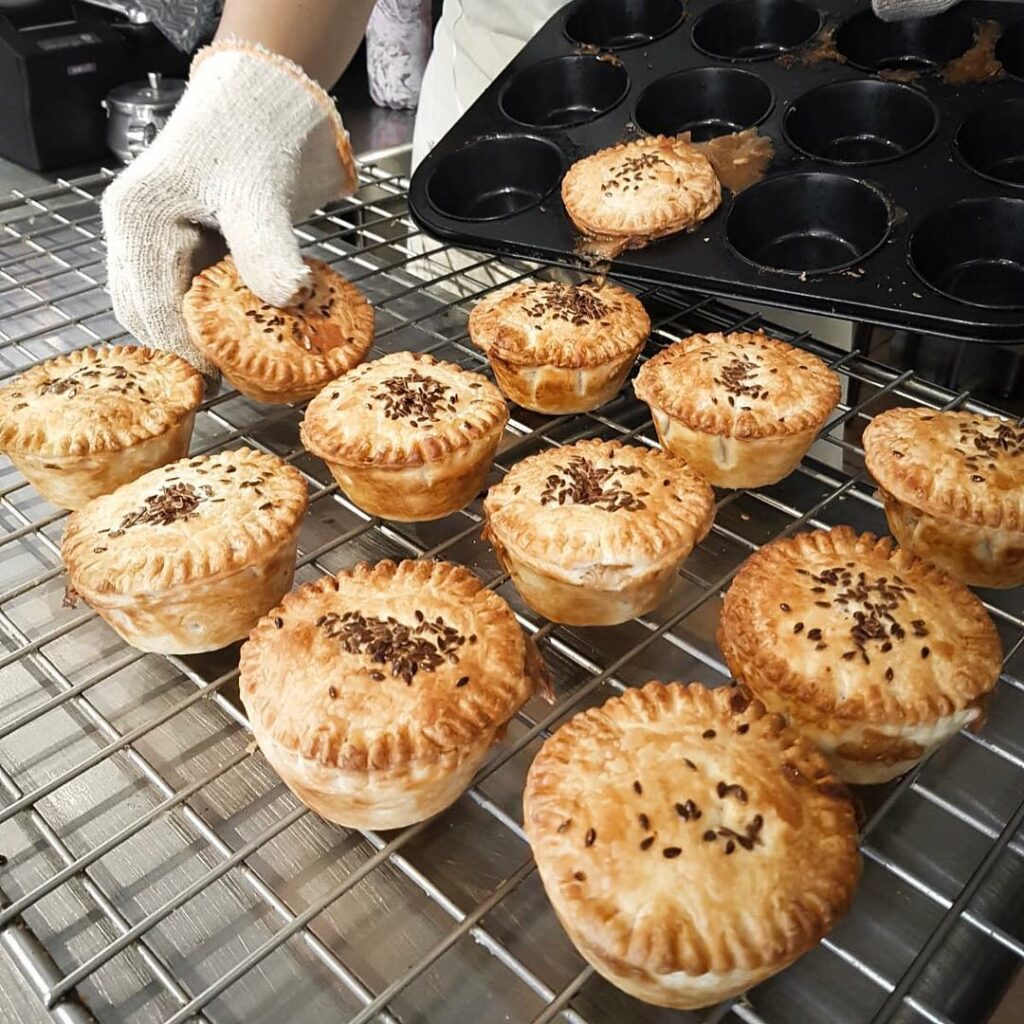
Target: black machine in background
{"x": 58, "y": 61}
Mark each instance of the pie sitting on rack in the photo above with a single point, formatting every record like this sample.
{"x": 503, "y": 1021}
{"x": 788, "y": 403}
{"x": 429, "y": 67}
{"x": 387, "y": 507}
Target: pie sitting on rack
{"x": 407, "y": 437}
{"x": 278, "y": 355}
{"x": 560, "y": 348}
{"x": 871, "y": 653}
{"x": 376, "y": 694}
{"x": 594, "y": 533}
{"x": 741, "y": 408}
{"x": 628, "y": 195}
{"x": 690, "y": 843}
{"x": 953, "y": 488}
{"x": 188, "y": 557}
{"x": 80, "y": 425}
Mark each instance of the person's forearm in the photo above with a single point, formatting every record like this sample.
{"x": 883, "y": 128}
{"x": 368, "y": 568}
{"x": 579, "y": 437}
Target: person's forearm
{"x": 319, "y": 35}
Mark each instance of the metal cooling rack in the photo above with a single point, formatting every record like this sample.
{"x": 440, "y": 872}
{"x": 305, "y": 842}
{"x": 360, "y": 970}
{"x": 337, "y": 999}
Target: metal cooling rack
{"x": 156, "y": 870}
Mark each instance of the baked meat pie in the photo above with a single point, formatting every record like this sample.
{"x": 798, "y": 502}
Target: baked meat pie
{"x": 873, "y": 654}
{"x": 953, "y": 488}
{"x": 82, "y": 424}
{"x": 594, "y": 533}
{"x": 626, "y": 196}
{"x": 407, "y": 437}
{"x": 560, "y": 348}
{"x": 278, "y": 355}
{"x": 691, "y": 844}
{"x": 377, "y": 694}
{"x": 741, "y": 408}
{"x": 188, "y": 557}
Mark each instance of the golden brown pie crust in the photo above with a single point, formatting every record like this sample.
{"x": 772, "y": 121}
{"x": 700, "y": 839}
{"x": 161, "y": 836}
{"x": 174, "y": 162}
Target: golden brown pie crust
{"x": 376, "y": 694}
{"x": 691, "y": 844}
{"x": 559, "y": 348}
{"x": 594, "y": 533}
{"x": 189, "y": 556}
{"x": 278, "y": 355}
{"x": 953, "y": 488}
{"x": 407, "y": 437}
{"x": 873, "y": 654}
{"x": 80, "y": 425}
{"x": 741, "y": 408}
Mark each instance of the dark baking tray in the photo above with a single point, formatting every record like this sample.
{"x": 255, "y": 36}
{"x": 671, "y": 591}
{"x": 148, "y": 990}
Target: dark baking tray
{"x": 492, "y": 183}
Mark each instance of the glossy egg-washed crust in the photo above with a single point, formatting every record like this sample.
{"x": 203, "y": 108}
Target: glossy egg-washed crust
{"x": 260, "y": 349}
{"x": 254, "y": 504}
{"x": 679, "y": 507}
{"x": 645, "y": 908}
{"x": 348, "y": 422}
{"x": 314, "y": 698}
{"x": 96, "y": 400}
{"x": 540, "y": 323}
{"x": 642, "y": 189}
{"x": 788, "y": 390}
{"x": 940, "y": 652}
{"x": 932, "y": 461}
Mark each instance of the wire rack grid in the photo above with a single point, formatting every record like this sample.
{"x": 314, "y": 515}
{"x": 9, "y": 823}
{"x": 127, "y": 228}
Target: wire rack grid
{"x": 154, "y": 869}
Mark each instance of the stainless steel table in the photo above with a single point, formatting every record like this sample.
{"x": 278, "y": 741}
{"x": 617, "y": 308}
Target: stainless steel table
{"x": 156, "y": 870}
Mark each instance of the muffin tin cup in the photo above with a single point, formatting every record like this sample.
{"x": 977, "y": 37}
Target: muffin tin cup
{"x": 990, "y": 142}
{"x": 973, "y": 252}
{"x": 808, "y": 223}
{"x": 1010, "y": 50}
{"x": 864, "y": 121}
{"x": 750, "y": 30}
{"x": 621, "y": 24}
{"x": 564, "y": 91}
{"x": 914, "y": 45}
{"x": 705, "y": 102}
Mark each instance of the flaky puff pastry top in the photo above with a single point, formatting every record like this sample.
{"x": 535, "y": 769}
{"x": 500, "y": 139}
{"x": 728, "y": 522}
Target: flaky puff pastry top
{"x": 405, "y": 409}
{"x": 545, "y": 323}
{"x": 96, "y": 400}
{"x": 185, "y": 522}
{"x": 601, "y": 503}
{"x": 851, "y": 626}
{"x": 316, "y": 340}
{"x": 386, "y": 665}
{"x": 739, "y": 385}
{"x": 645, "y": 188}
{"x": 964, "y": 465}
{"x": 685, "y": 829}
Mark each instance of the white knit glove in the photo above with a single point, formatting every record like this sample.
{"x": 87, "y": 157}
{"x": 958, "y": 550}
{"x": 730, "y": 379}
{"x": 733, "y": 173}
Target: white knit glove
{"x": 897, "y": 10}
{"x": 253, "y": 146}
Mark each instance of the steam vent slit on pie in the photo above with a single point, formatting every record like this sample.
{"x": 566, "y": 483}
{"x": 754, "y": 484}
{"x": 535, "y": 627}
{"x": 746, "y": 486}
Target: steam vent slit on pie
{"x": 376, "y": 694}
{"x": 690, "y": 843}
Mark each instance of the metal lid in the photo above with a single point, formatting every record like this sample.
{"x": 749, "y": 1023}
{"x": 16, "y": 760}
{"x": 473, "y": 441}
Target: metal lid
{"x": 156, "y": 95}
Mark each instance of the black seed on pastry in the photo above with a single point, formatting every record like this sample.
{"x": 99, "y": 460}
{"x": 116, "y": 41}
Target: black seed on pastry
{"x": 671, "y": 851}
{"x": 742, "y": 729}
{"x": 925, "y": 652}
{"x": 580, "y": 876}
{"x": 798, "y": 628}
{"x": 785, "y": 607}
{"x": 646, "y": 844}
{"x": 708, "y": 734}
{"x": 332, "y": 692}
{"x": 637, "y": 788}
{"x": 889, "y": 674}
{"x": 814, "y": 634}
{"x": 645, "y": 822}
{"x": 689, "y": 764}
{"x": 709, "y": 836}
{"x": 730, "y": 846}
{"x": 591, "y": 835}
{"x": 279, "y": 622}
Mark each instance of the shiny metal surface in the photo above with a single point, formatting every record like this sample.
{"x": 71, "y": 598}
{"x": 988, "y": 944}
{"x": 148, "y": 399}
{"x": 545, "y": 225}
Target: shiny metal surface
{"x": 157, "y": 870}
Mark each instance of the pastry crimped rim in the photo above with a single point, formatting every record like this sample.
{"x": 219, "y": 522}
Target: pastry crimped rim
{"x": 500, "y": 326}
{"x": 683, "y": 927}
{"x": 666, "y": 382}
{"x": 430, "y": 732}
{"x": 280, "y": 366}
{"x": 757, "y": 650}
{"x": 321, "y": 436}
{"x": 696, "y": 198}
{"x": 132, "y": 420}
{"x": 666, "y": 528}
{"x": 903, "y": 462}
{"x": 128, "y": 565}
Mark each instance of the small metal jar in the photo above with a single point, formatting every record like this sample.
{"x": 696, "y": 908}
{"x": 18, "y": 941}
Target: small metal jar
{"x": 136, "y": 111}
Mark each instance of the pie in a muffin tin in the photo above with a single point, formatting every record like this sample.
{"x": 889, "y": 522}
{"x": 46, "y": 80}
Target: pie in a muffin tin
{"x": 953, "y": 488}
{"x": 691, "y": 844}
{"x": 407, "y": 437}
{"x": 874, "y": 655}
{"x": 188, "y": 557}
{"x": 560, "y": 348}
{"x": 594, "y": 533}
{"x": 741, "y": 408}
{"x": 80, "y": 425}
{"x": 629, "y": 194}
{"x": 376, "y": 694}
{"x": 278, "y": 355}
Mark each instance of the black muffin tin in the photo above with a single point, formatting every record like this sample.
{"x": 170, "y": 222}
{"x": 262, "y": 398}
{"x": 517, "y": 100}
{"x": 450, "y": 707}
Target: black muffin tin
{"x": 889, "y": 202}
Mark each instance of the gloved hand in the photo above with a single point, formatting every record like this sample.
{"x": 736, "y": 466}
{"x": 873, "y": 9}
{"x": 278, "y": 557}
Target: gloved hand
{"x": 253, "y": 146}
{"x": 898, "y": 10}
